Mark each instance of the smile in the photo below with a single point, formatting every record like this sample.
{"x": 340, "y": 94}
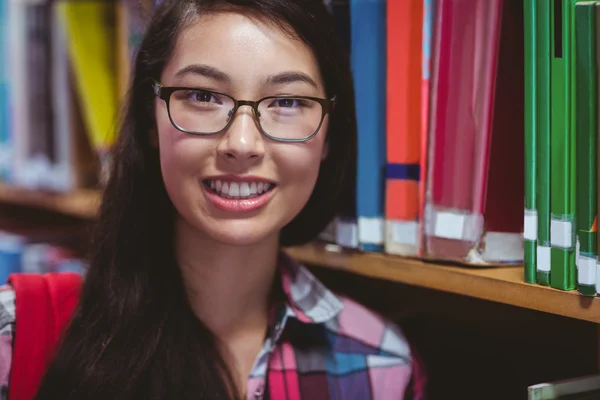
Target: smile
{"x": 238, "y": 196}
{"x": 238, "y": 190}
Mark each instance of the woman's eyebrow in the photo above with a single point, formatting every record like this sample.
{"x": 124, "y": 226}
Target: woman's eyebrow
{"x": 204, "y": 70}
{"x": 290, "y": 77}
{"x": 281, "y": 78}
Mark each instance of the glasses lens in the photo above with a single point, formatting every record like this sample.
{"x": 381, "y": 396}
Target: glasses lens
{"x": 200, "y": 111}
{"x": 290, "y": 118}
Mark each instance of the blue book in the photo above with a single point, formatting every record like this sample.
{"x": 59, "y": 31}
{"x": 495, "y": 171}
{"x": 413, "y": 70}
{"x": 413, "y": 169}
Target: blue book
{"x": 5, "y": 109}
{"x": 368, "y": 59}
{"x": 11, "y": 252}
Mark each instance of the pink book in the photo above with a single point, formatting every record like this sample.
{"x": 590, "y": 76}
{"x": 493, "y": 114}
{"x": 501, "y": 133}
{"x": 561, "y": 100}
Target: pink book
{"x": 502, "y": 239}
{"x": 467, "y": 35}
{"x": 427, "y": 59}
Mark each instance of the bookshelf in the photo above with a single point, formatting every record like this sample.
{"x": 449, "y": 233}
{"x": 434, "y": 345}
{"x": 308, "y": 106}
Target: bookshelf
{"x": 81, "y": 203}
{"x": 477, "y": 308}
{"x": 498, "y": 284}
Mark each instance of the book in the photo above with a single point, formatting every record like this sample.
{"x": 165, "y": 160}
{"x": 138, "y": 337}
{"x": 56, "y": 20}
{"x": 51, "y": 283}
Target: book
{"x": 502, "y": 240}
{"x": 403, "y": 130}
{"x": 5, "y": 94}
{"x": 586, "y": 116}
{"x": 543, "y": 195}
{"x": 530, "y": 214}
{"x": 93, "y": 24}
{"x": 368, "y": 62}
{"x": 462, "y": 107}
{"x": 598, "y": 149}
{"x": 426, "y": 84}
{"x": 562, "y": 185}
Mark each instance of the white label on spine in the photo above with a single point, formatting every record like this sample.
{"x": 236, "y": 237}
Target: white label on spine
{"x": 577, "y": 247}
{"x": 597, "y": 276}
{"x": 587, "y": 270}
{"x": 561, "y": 234}
{"x": 543, "y": 258}
{"x": 347, "y": 235}
{"x": 405, "y": 232}
{"x": 449, "y": 225}
{"x": 530, "y": 225}
{"x": 371, "y": 230}
{"x": 502, "y": 246}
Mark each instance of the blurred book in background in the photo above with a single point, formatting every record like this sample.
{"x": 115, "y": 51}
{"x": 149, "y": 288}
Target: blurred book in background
{"x": 60, "y": 103}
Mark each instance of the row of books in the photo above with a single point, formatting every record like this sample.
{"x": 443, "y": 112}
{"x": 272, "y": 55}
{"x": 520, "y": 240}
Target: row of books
{"x": 449, "y": 119}
{"x": 59, "y": 101}
{"x": 58, "y": 111}
{"x": 34, "y": 244}
{"x": 478, "y": 135}
{"x": 439, "y": 99}
{"x": 23, "y": 254}
{"x": 561, "y": 144}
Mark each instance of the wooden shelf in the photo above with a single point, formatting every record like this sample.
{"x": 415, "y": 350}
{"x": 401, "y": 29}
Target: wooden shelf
{"x": 79, "y": 203}
{"x": 498, "y": 284}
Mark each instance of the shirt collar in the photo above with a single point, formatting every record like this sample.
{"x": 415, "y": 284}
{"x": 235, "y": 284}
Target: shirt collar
{"x": 308, "y": 300}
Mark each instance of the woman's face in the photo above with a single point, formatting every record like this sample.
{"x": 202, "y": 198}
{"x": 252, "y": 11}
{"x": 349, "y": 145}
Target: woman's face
{"x": 239, "y": 187}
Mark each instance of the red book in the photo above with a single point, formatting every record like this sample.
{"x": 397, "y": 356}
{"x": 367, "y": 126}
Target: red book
{"x": 404, "y": 125}
{"x": 464, "y": 86}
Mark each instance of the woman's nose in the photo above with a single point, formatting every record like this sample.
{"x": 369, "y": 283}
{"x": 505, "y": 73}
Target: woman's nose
{"x": 242, "y": 142}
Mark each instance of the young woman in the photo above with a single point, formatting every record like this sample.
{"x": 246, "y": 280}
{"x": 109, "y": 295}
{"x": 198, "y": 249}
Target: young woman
{"x": 239, "y": 129}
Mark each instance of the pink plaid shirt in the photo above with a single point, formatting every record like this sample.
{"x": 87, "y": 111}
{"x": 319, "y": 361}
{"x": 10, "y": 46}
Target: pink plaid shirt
{"x": 321, "y": 347}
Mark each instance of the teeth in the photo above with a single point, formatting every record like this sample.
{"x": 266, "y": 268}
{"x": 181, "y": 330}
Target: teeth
{"x": 234, "y": 189}
{"x": 239, "y": 190}
{"x": 244, "y": 189}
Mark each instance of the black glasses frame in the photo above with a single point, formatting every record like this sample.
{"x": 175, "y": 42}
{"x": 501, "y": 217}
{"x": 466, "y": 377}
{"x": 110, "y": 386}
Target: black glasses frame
{"x": 164, "y": 93}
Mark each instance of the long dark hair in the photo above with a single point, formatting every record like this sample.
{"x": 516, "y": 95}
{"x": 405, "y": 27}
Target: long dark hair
{"x": 134, "y": 335}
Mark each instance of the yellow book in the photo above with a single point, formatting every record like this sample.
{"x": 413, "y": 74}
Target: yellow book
{"x": 91, "y": 36}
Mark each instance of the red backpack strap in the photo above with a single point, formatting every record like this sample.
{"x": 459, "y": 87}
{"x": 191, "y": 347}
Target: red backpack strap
{"x": 43, "y": 307}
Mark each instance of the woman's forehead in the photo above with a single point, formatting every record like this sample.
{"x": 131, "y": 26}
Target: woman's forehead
{"x": 243, "y": 47}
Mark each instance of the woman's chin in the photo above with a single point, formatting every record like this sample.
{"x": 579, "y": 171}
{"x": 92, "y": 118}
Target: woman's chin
{"x": 240, "y": 233}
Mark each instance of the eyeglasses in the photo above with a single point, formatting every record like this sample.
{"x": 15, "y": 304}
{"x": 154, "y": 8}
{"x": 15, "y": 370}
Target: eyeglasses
{"x": 206, "y": 112}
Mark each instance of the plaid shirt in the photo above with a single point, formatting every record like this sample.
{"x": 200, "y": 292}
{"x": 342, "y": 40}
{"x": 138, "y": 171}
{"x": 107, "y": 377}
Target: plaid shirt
{"x": 320, "y": 347}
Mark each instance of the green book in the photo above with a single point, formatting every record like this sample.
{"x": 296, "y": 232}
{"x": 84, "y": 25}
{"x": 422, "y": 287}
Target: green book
{"x": 586, "y": 115}
{"x": 597, "y": 152}
{"x": 530, "y": 218}
{"x": 562, "y": 185}
{"x": 542, "y": 110}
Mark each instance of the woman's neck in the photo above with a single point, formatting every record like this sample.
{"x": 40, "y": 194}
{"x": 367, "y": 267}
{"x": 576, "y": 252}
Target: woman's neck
{"x": 229, "y": 286}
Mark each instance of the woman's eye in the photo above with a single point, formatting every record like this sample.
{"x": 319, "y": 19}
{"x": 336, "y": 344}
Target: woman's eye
{"x": 202, "y": 97}
{"x": 287, "y": 103}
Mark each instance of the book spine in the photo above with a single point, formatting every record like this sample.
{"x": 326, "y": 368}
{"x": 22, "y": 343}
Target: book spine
{"x": 428, "y": 22}
{"x": 530, "y": 215}
{"x": 465, "y": 74}
{"x": 5, "y": 146}
{"x": 562, "y": 232}
{"x": 368, "y": 60}
{"x": 586, "y": 136}
{"x": 404, "y": 86}
{"x": 597, "y": 33}
{"x": 542, "y": 27}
